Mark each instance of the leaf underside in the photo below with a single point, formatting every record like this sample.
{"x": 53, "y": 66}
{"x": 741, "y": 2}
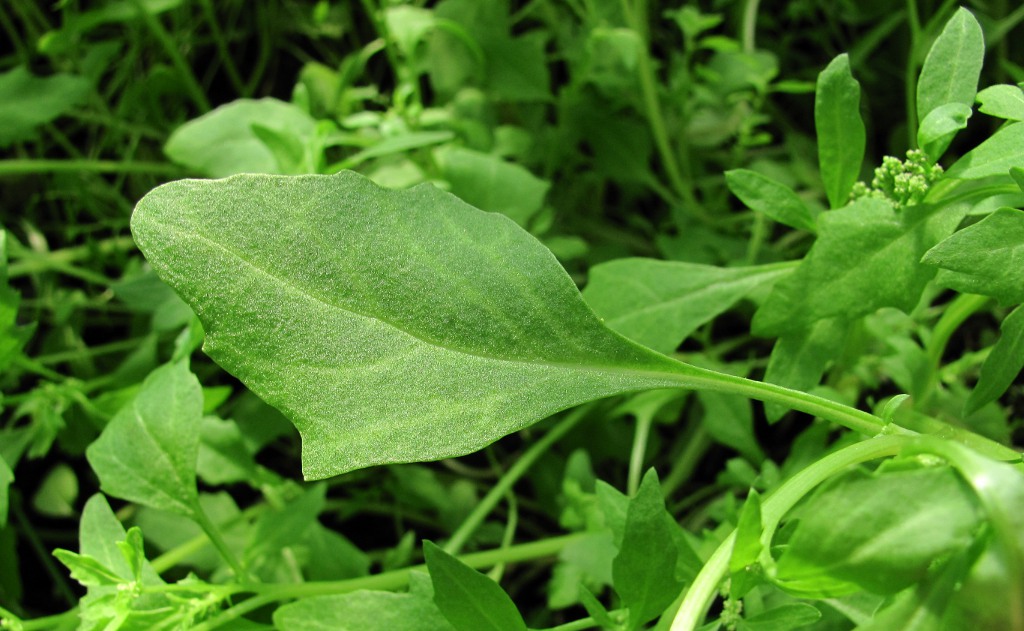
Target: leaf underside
{"x": 389, "y": 326}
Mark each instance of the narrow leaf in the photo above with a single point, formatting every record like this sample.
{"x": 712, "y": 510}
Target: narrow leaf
{"x": 361, "y": 610}
{"x": 644, "y": 570}
{"x": 999, "y": 153}
{"x": 660, "y": 303}
{"x": 99, "y": 536}
{"x": 468, "y": 599}
{"x": 6, "y": 478}
{"x": 428, "y": 329}
{"x": 746, "y": 550}
{"x": 774, "y": 199}
{"x": 841, "y": 135}
{"x": 147, "y": 453}
{"x": 1002, "y": 101}
{"x": 1002, "y": 365}
{"x": 951, "y": 69}
{"x": 87, "y": 570}
{"x": 984, "y": 258}
{"x": 133, "y": 552}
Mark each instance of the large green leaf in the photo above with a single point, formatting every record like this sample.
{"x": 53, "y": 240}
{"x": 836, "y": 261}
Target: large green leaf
{"x": 950, "y": 72}
{"x": 865, "y": 258}
{"x": 841, "y": 135}
{"x": 390, "y": 326}
{"x": 984, "y": 258}
{"x": 660, "y": 303}
{"x": 881, "y": 532}
{"x": 995, "y": 156}
{"x": 147, "y": 453}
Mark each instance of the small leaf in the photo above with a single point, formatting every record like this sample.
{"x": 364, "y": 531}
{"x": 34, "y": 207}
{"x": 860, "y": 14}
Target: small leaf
{"x": 428, "y": 329}
{"x": 644, "y": 570}
{"x": 999, "y": 153}
{"x": 951, "y": 69}
{"x": 984, "y": 258}
{"x": 940, "y": 126}
{"x": 87, "y": 570}
{"x": 746, "y": 550}
{"x": 774, "y": 199}
{"x": 361, "y": 610}
{"x": 133, "y": 552}
{"x": 880, "y": 533}
{"x": 28, "y": 101}
{"x": 891, "y": 406}
{"x": 660, "y": 303}
{"x": 799, "y": 358}
{"x": 99, "y": 536}
{"x": 1002, "y": 365}
{"x": 147, "y": 453}
{"x": 1002, "y": 101}
{"x": 468, "y": 599}
{"x": 841, "y": 135}
{"x": 492, "y": 184}
{"x": 782, "y": 618}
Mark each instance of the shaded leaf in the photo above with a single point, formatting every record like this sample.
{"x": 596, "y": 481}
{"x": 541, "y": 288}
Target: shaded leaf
{"x": 660, "y": 303}
{"x": 940, "y": 126}
{"x": 468, "y": 599}
{"x": 841, "y": 135}
{"x": 782, "y": 618}
{"x": 799, "y": 358}
{"x": 490, "y": 183}
{"x": 984, "y": 258}
{"x": 1002, "y": 365}
{"x": 951, "y": 69}
{"x": 428, "y": 328}
{"x": 744, "y": 570}
{"x": 147, "y": 453}
{"x": 28, "y": 101}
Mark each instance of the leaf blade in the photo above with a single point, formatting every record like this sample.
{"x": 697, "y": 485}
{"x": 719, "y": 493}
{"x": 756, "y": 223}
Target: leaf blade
{"x": 951, "y": 69}
{"x": 467, "y": 598}
{"x": 841, "y": 135}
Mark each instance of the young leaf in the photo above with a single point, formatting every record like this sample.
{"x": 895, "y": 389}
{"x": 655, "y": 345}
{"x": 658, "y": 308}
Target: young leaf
{"x": 468, "y": 599}
{"x": 940, "y": 126}
{"x": 133, "y": 552}
{"x": 1002, "y": 365}
{"x": 361, "y": 610}
{"x": 984, "y": 258}
{"x": 147, "y": 453}
{"x": 644, "y": 570}
{"x": 1002, "y": 101}
{"x": 428, "y": 329}
{"x": 841, "y": 135}
{"x": 864, "y": 259}
{"x": 87, "y": 570}
{"x": 999, "y": 153}
{"x": 782, "y": 618}
{"x": 99, "y": 536}
{"x": 951, "y": 69}
{"x": 660, "y": 303}
{"x": 880, "y": 533}
{"x": 774, "y": 199}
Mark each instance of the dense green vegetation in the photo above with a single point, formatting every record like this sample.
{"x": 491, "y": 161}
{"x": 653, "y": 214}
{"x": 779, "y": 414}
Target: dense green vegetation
{"x": 348, "y": 367}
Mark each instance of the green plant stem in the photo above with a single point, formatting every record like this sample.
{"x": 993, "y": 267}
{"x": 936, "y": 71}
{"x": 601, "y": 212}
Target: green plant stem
{"x": 25, "y": 166}
{"x": 638, "y": 453}
{"x": 750, "y": 25}
{"x": 656, "y": 118}
{"x": 516, "y": 471}
{"x": 575, "y": 625}
{"x": 266, "y": 593}
{"x": 705, "y": 587}
{"x": 222, "y": 48}
{"x": 204, "y": 522}
{"x": 30, "y": 261}
{"x": 910, "y": 73}
{"x": 683, "y": 466}
{"x": 192, "y": 86}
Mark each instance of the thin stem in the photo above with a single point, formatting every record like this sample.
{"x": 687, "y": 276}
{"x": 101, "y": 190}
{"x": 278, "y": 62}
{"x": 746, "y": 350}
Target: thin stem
{"x": 955, "y": 314}
{"x": 222, "y": 48}
{"x": 218, "y": 542}
{"x": 516, "y": 471}
{"x": 701, "y": 594}
{"x": 25, "y": 166}
{"x": 638, "y": 453}
{"x": 195, "y": 91}
{"x": 910, "y": 73}
{"x": 750, "y": 24}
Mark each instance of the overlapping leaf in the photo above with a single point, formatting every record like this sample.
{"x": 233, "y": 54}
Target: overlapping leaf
{"x": 391, "y": 326}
